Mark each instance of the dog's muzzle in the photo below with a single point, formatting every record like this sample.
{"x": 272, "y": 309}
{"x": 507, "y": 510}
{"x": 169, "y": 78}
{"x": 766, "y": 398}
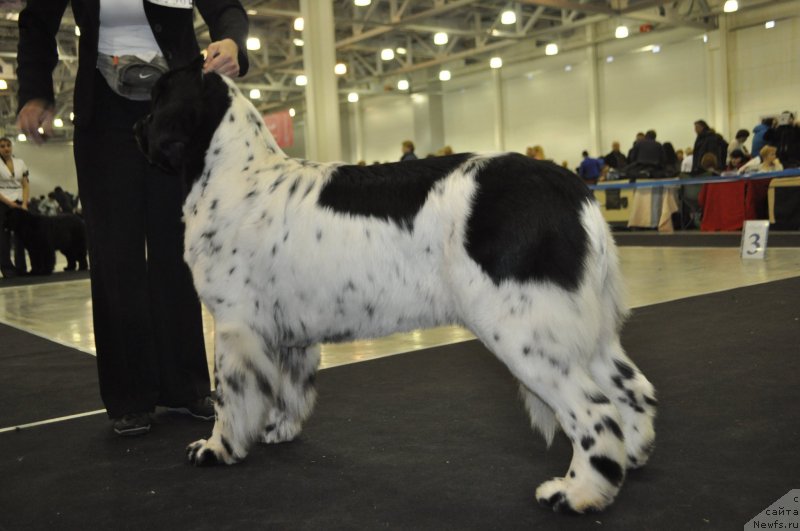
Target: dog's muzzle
{"x": 167, "y": 154}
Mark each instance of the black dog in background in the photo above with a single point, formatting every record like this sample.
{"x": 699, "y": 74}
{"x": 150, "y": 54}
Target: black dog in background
{"x": 42, "y": 236}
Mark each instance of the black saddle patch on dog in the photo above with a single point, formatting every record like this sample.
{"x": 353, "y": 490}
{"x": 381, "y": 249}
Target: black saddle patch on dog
{"x": 525, "y": 222}
{"x": 394, "y": 191}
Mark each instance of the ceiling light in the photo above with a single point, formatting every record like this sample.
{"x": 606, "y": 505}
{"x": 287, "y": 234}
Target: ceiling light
{"x": 362, "y": 3}
{"x": 352, "y": 97}
{"x": 21, "y": 137}
{"x": 299, "y": 24}
{"x": 340, "y": 69}
{"x": 298, "y": 42}
{"x": 292, "y": 112}
{"x": 508, "y": 17}
{"x": 770, "y": 24}
{"x": 301, "y": 80}
{"x": 71, "y": 116}
{"x": 621, "y": 32}
{"x": 387, "y": 54}
{"x": 401, "y": 51}
{"x": 440, "y": 38}
{"x": 568, "y": 68}
{"x": 656, "y": 48}
{"x": 610, "y": 59}
{"x": 252, "y": 12}
{"x": 551, "y": 49}
{"x": 58, "y": 122}
{"x": 495, "y": 62}
{"x": 3, "y": 84}
{"x": 730, "y": 6}
{"x": 402, "y": 84}
{"x": 253, "y": 43}
{"x": 705, "y": 38}
{"x": 255, "y": 94}
{"x": 77, "y": 31}
{"x": 13, "y": 15}
{"x": 444, "y": 75}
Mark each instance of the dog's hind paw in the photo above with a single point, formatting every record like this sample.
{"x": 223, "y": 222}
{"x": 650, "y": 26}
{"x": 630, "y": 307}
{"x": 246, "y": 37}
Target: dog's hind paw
{"x": 566, "y": 495}
{"x": 282, "y": 431}
{"x": 203, "y": 453}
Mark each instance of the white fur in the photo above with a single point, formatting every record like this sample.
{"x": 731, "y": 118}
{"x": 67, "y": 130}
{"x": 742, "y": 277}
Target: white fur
{"x": 281, "y": 274}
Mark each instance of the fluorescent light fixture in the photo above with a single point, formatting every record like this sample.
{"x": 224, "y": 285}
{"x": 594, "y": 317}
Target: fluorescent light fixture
{"x": 3, "y": 84}
{"x": 292, "y": 112}
{"x": 298, "y": 42}
{"x": 301, "y": 80}
{"x": 769, "y": 24}
{"x": 362, "y": 3}
{"x": 255, "y": 94}
{"x": 440, "y": 38}
{"x": 387, "y": 54}
{"x": 253, "y": 43}
{"x": 621, "y": 32}
{"x": 402, "y": 84}
{"x": 299, "y": 24}
{"x": 551, "y": 49}
{"x": 58, "y": 122}
{"x": 496, "y": 62}
{"x": 401, "y": 51}
{"x": 340, "y": 69}
{"x": 22, "y": 138}
{"x": 444, "y": 75}
{"x": 730, "y": 6}
{"x": 352, "y": 97}
{"x": 508, "y": 17}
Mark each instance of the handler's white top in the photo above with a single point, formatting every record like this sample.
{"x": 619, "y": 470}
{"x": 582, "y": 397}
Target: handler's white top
{"x": 11, "y": 183}
{"x": 124, "y": 30}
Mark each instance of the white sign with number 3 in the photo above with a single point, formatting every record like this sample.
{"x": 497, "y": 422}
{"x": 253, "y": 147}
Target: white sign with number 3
{"x": 754, "y": 239}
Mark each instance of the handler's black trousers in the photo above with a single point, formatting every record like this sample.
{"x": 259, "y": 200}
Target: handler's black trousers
{"x": 147, "y": 321}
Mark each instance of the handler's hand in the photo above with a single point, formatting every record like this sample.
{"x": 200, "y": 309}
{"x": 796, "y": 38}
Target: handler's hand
{"x": 222, "y": 57}
{"x": 35, "y": 114}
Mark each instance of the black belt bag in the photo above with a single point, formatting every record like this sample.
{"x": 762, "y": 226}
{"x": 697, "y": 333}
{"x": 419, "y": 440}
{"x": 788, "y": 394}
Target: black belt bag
{"x": 131, "y": 77}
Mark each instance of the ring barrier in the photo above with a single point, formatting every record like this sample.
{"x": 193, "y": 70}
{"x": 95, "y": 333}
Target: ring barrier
{"x": 724, "y": 178}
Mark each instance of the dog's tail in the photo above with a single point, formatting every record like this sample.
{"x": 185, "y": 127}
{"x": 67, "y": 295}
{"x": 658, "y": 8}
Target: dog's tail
{"x": 606, "y": 277}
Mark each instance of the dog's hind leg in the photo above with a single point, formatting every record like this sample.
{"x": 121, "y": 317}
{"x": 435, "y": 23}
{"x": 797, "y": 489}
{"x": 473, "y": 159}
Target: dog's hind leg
{"x": 247, "y": 377}
{"x": 296, "y": 394}
{"x": 634, "y": 397}
{"x": 543, "y": 357}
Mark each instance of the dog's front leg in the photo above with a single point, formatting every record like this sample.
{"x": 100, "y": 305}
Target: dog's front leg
{"x": 246, "y": 379}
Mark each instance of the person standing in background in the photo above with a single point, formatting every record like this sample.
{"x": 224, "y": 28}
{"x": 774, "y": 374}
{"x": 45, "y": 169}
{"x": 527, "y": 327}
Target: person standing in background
{"x": 147, "y": 320}
{"x": 408, "y": 151}
{"x": 14, "y": 193}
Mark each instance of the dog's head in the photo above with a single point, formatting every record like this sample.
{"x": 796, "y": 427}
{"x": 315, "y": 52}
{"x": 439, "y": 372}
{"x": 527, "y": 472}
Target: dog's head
{"x": 187, "y": 106}
{"x": 20, "y": 221}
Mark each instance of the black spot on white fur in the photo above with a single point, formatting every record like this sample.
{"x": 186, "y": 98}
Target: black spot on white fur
{"x": 513, "y": 191}
{"x": 394, "y": 192}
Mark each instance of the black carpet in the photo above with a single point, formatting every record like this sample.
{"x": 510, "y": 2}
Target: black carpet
{"x": 437, "y": 439}
{"x": 646, "y": 238}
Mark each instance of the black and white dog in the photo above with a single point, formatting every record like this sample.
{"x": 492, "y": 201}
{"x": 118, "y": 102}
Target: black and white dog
{"x": 42, "y": 236}
{"x": 288, "y": 254}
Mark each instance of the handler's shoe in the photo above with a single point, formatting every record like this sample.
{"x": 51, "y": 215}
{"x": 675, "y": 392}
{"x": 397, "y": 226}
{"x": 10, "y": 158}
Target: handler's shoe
{"x": 132, "y": 424}
{"x": 202, "y": 409}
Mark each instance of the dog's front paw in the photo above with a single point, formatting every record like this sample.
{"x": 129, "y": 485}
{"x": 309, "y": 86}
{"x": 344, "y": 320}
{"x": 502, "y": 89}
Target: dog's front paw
{"x": 205, "y": 453}
{"x": 566, "y": 495}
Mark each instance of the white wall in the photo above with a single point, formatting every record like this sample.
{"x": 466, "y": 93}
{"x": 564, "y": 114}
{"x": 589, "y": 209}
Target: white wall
{"x": 765, "y": 73}
{"x": 388, "y": 121}
{"x": 50, "y": 165}
{"x": 664, "y": 91}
